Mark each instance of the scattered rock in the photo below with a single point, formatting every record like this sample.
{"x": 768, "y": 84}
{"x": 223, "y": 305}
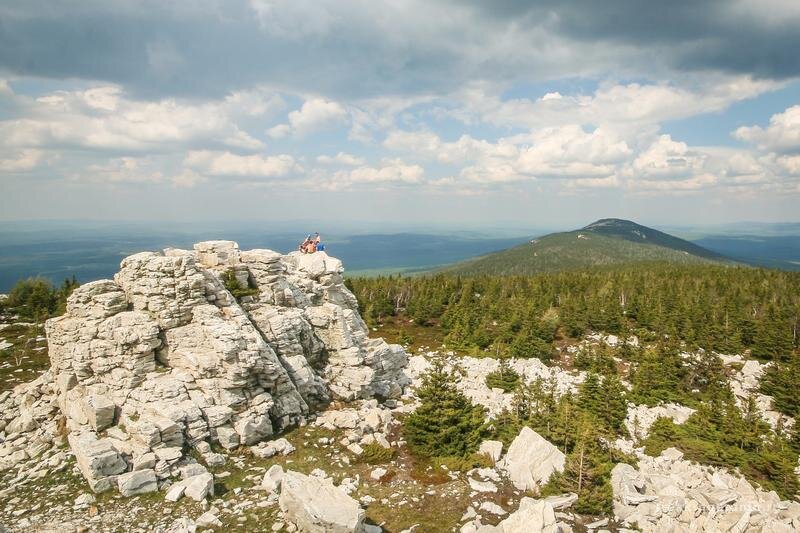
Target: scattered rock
{"x": 493, "y": 449}
{"x": 198, "y": 487}
{"x": 315, "y": 504}
{"x": 137, "y": 482}
{"x": 531, "y": 460}
{"x": 272, "y": 478}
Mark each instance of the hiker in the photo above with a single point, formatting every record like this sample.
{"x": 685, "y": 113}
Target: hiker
{"x": 304, "y": 246}
{"x": 312, "y": 244}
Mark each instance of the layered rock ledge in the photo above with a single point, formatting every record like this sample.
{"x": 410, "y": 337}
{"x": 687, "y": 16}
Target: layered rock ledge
{"x": 163, "y": 358}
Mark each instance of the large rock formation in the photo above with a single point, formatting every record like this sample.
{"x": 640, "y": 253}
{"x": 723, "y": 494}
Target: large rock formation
{"x": 164, "y": 357}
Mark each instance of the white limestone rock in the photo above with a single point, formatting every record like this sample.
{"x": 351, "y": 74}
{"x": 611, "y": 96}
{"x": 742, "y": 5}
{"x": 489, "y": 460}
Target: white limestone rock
{"x": 493, "y": 449}
{"x": 669, "y": 493}
{"x": 272, "y": 478}
{"x": 163, "y": 356}
{"x": 200, "y": 486}
{"x": 280, "y": 446}
{"x": 532, "y": 515}
{"x": 97, "y": 459}
{"x": 531, "y": 460}
{"x": 316, "y": 505}
{"x": 640, "y": 418}
{"x": 137, "y": 482}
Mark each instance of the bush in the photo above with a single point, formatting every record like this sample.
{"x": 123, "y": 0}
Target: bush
{"x": 38, "y": 299}
{"x": 375, "y": 454}
{"x": 504, "y": 377}
{"x": 405, "y": 339}
{"x": 463, "y": 464}
{"x": 446, "y": 424}
{"x": 235, "y": 287}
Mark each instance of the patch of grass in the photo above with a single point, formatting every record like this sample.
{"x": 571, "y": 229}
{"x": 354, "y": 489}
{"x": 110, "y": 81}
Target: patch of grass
{"x": 462, "y": 464}
{"x": 397, "y": 329}
{"x": 26, "y": 358}
{"x": 375, "y": 454}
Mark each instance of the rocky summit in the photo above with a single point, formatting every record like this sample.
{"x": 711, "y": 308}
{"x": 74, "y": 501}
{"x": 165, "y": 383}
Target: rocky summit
{"x": 163, "y": 359}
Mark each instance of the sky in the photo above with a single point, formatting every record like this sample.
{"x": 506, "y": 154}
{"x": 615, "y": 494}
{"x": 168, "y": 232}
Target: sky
{"x": 504, "y": 113}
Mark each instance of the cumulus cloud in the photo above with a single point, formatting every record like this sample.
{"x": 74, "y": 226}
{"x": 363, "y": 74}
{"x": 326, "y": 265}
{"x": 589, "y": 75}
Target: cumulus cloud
{"x": 315, "y": 115}
{"x": 466, "y": 97}
{"x": 252, "y": 166}
{"x": 103, "y": 118}
{"x": 621, "y": 106}
{"x": 389, "y": 172}
{"x": 564, "y": 151}
{"x": 781, "y": 136}
{"x": 341, "y": 158}
{"x": 569, "y": 151}
{"x": 666, "y": 159}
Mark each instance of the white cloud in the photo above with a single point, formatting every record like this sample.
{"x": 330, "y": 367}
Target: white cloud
{"x": 666, "y": 159}
{"x": 692, "y": 184}
{"x": 565, "y": 151}
{"x": 121, "y": 170}
{"x": 213, "y": 163}
{"x": 187, "y": 179}
{"x": 390, "y": 172}
{"x": 427, "y": 145}
{"x": 22, "y": 161}
{"x": 103, "y": 118}
{"x": 315, "y": 114}
{"x": 618, "y": 106}
{"x": 569, "y": 151}
{"x": 341, "y": 158}
{"x": 781, "y": 136}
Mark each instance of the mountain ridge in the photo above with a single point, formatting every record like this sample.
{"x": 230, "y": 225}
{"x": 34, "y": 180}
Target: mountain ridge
{"x": 605, "y": 242}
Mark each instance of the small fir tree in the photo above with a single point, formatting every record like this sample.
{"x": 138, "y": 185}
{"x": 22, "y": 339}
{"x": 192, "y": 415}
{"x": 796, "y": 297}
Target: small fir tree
{"x": 505, "y": 377}
{"x": 446, "y": 424}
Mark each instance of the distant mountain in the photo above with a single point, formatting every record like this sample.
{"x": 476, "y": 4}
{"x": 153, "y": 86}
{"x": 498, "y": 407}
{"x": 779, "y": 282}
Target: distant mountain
{"x": 607, "y": 242}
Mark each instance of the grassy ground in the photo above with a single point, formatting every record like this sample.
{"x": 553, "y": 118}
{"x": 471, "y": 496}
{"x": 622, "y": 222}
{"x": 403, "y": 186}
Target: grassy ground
{"x": 26, "y": 358}
{"x": 397, "y": 329}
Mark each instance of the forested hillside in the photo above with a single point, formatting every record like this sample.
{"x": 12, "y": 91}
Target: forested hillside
{"x": 676, "y": 316}
{"x": 726, "y": 309}
{"x": 606, "y": 242}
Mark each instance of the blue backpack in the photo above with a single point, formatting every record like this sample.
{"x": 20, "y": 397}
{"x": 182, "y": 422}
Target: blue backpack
{"x": 320, "y": 247}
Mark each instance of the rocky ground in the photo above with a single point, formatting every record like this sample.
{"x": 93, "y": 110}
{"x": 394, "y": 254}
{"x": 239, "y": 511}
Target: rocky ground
{"x": 162, "y": 402}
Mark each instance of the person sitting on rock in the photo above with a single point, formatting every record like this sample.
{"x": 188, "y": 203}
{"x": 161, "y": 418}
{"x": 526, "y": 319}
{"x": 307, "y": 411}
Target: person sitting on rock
{"x": 318, "y": 246}
{"x": 305, "y": 244}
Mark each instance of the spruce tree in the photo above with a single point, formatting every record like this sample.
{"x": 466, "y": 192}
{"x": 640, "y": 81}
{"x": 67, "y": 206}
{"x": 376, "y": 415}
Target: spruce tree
{"x": 446, "y": 424}
{"x": 505, "y": 377}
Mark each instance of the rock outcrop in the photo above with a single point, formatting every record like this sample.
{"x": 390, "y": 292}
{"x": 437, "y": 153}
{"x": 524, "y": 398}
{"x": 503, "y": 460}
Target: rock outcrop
{"x": 641, "y": 417}
{"x": 745, "y": 385}
{"x": 531, "y": 460}
{"x": 164, "y": 357}
{"x": 667, "y": 493}
{"x": 473, "y": 380}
